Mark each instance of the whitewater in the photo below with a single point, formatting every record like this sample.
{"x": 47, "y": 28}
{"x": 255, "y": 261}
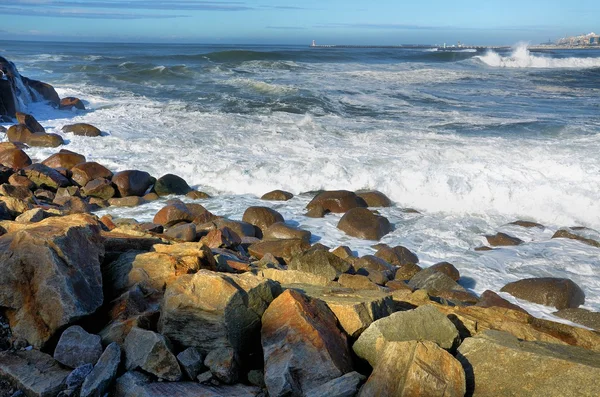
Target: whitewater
{"x": 471, "y": 140}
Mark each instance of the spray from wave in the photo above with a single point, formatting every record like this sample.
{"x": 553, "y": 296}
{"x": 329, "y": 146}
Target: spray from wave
{"x": 521, "y": 57}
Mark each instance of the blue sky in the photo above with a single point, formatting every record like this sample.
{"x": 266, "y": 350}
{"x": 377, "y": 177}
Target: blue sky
{"x": 295, "y": 22}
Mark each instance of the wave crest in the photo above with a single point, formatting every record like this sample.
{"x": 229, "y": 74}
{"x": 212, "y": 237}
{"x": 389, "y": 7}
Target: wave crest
{"x": 521, "y": 57}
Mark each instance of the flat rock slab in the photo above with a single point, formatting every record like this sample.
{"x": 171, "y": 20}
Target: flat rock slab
{"x": 34, "y": 372}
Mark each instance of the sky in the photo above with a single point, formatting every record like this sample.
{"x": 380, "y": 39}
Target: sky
{"x": 387, "y": 22}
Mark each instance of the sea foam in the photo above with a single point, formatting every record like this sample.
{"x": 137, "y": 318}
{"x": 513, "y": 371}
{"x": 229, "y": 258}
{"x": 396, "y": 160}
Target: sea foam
{"x": 521, "y": 57}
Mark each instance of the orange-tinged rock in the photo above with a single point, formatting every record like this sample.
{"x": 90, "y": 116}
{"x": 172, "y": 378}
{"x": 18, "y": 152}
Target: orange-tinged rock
{"x": 14, "y": 158}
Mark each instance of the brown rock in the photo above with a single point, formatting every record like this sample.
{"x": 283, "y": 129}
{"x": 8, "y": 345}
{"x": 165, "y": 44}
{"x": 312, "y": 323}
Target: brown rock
{"x": 82, "y": 129}
{"x": 338, "y": 201}
{"x": 374, "y": 198}
{"x": 132, "y": 182}
{"x": 182, "y": 232}
{"x": 303, "y": 348}
{"x": 33, "y": 372}
{"x": 558, "y": 292}
{"x": 320, "y": 262}
{"x": 172, "y": 214}
{"x": 277, "y": 195}
{"x": 262, "y": 218}
{"x": 459, "y": 298}
{"x": 282, "y": 249}
{"x": 196, "y": 195}
{"x": 64, "y": 159}
{"x": 30, "y": 122}
{"x": 343, "y": 252}
{"x": 567, "y": 234}
{"x": 45, "y": 177}
{"x": 18, "y": 192}
{"x": 316, "y": 211}
{"x": 581, "y": 316}
{"x": 73, "y": 205}
{"x": 407, "y": 271}
{"x": 397, "y": 285}
{"x": 502, "y": 239}
{"x": 14, "y": 158}
{"x": 219, "y": 238}
{"x": 527, "y": 224}
{"x": 131, "y": 201}
{"x": 397, "y": 256}
{"x": 357, "y": 282}
{"x": 362, "y": 223}
{"x": 21, "y": 181}
{"x": 447, "y": 268}
{"x": 281, "y": 231}
{"x": 69, "y": 103}
{"x": 492, "y": 299}
{"x": 100, "y": 188}
{"x": 88, "y": 171}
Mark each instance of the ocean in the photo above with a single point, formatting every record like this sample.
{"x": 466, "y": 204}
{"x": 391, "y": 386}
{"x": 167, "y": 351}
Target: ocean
{"x": 473, "y": 140}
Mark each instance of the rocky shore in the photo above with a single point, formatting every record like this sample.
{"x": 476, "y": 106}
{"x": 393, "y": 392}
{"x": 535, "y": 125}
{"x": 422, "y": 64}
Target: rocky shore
{"x": 195, "y": 304}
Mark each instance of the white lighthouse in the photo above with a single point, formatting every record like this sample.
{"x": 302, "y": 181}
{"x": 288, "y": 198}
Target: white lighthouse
{"x": 314, "y": 43}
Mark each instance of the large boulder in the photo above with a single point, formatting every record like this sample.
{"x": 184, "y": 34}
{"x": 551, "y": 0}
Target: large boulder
{"x": 262, "y": 218}
{"x": 88, "y": 171}
{"x": 45, "y": 90}
{"x": 416, "y": 368}
{"x": 281, "y": 231}
{"x": 82, "y": 129}
{"x": 14, "y": 158}
{"x": 561, "y": 293}
{"x": 45, "y": 177}
{"x": 362, "y": 223}
{"x": 337, "y": 201}
{"x": 98, "y": 382}
{"x": 210, "y": 310}
{"x": 77, "y": 347}
{"x": 424, "y": 323}
{"x": 20, "y": 133}
{"x": 151, "y": 352}
{"x": 171, "y": 184}
{"x": 398, "y": 255}
{"x": 50, "y": 275}
{"x": 374, "y": 198}
{"x": 64, "y": 159}
{"x": 33, "y": 372}
{"x": 30, "y": 122}
{"x": 499, "y": 364}
{"x": 173, "y": 213}
{"x": 283, "y": 250}
{"x": 277, "y": 195}
{"x": 70, "y": 103}
{"x": 303, "y": 348}
{"x": 99, "y": 188}
{"x": 132, "y": 182}
{"x": 321, "y": 263}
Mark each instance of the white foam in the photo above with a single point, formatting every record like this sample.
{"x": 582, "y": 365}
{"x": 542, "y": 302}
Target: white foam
{"x": 521, "y": 57}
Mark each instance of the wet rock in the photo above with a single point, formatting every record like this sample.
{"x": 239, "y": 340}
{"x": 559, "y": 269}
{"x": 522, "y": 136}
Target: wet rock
{"x": 182, "y": 232}
{"x": 362, "y": 223}
{"x": 173, "y": 213}
{"x": 44, "y": 89}
{"x": 99, "y": 188}
{"x": 171, "y": 184}
{"x": 503, "y": 239}
{"x": 20, "y": 133}
{"x": 527, "y": 224}
{"x": 196, "y": 195}
{"x": 69, "y": 103}
{"x": 573, "y": 236}
{"x": 283, "y": 250}
{"x": 14, "y": 158}
{"x": 434, "y": 282}
{"x": 220, "y": 238}
{"x": 344, "y": 386}
{"x": 64, "y": 159}
{"x": 150, "y": 351}
{"x": 277, "y": 195}
{"x": 397, "y": 256}
{"x": 374, "y": 198}
{"x": 525, "y": 367}
{"x": 561, "y": 293}
{"x": 407, "y": 271}
{"x": 281, "y": 231}
{"x": 76, "y": 347}
{"x": 303, "y": 348}
{"x": 581, "y": 316}
{"x": 262, "y": 218}
{"x": 457, "y": 298}
{"x": 50, "y": 275}
{"x": 45, "y": 177}
{"x": 416, "y": 368}
{"x": 316, "y": 212}
{"x": 34, "y": 372}
{"x": 397, "y": 285}
{"x": 30, "y": 122}
{"x": 82, "y": 129}
{"x": 492, "y": 299}
{"x": 88, "y": 171}
{"x": 77, "y": 377}
{"x": 98, "y": 382}
{"x": 321, "y": 263}
{"x": 223, "y": 364}
{"x": 337, "y": 201}
{"x": 424, "y": 323}
{"x": 131, "y": 201}
{"x": 192, "y": 362}
{"x": 132, "y": 182}
{"x": 211, "y": 310}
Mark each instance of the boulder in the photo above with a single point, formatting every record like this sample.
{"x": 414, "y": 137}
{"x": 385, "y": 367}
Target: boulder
{"x": 561, "y": 293}
{"x": 182, "y": 232}
{"x": 64, "y": 159}
{"x": 374, "y": 198}
{"x": 196, "y": 195}
{"x": 22, "y": 181}
{"x": 262, "y": 218}
{"x": 131, "y": 201}
{"x": 527, "y": 224}
{"x": 503, "y": 239}
{"x": 316, "y": 212}
{"x": 398, "y": 256}
{"x": 32, "y": 216}
{"x": 18, "y": 192}
{"x": 211, "y": 310}
{"x": 99, "y": 188}
{"x": 434, "y": 282}
{"x": 281, "y": 249}
{"x": 499, "y": 364}
{"x": 337, "y": 201}
{"x": 191, "y": 361}
{"x": 150, "y": 352}
{"x": 50, "y": 275}
{"x": 303, "y": 348}
{"x": 277, "y": 195}
{"x": 424, "y": 323}
{"x": 82, "y": 129}
{"x": 343, "y": 252}
{"x": 288, "y": 277}
{"x": 99, "y": 381}
{"x": 222, "y": 363}
{"x": 415, "y": 368}
{"x": 491, "y": 299}
{"x": 362, "y": 223}
{"x": 132, "y": 182}
{"x": 581, "y": 316}
{"x": 30, "y": 122}
{"x": 76, "y": 347}
{"x": 173, "y": 213}
{"x": 45, "y": 90}
{"x": 45, "y": 177}
{"x": 69, "y": 103}
{"x": 344, "y": 386}
{"x": 14, "y": 158}
{"x": 14, "y": 206}
{"x": 73, "y": 205}
{"x": 20, "y": 133}
{"x": 88, "y": 171}
{"x": 33, "y": 372}
{"x": 281, "y": 231}
{"x": 321, "y": 263}
{"x": 407, "y": 271}
{"x": 357, "y": 282}
{"x": 573, "y": 236}
{"x": 447, "y": 268}
{"x": 171, "y": 184}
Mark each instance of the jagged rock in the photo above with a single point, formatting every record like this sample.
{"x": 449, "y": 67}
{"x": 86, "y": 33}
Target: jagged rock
{"x": 424, "y": 323}
{"x": 561, "y": 293}
{"x": 303, "y": 348}
{"x": 171, "y": 184}
{"x": 77, "y": 347}
{"x": 281, "y": 249}
{"x": 277, "y": 195}
{"x": 64, "y": 159}
{"x": 434, "y": 282}
{"x": 416, "y": 368}
{"x": 100, "y": 188}
{"x": 262, "y": 218}
{"x": 14, "y": 158}
{"x": 50, "y": 275}
{"x": 18, "y": 192}
{"x": 211, "y": 310}
{"x": 344, "y": 386}
{"x": 88, "y": 171}
{"x": 503, "y": 239}
{"x": 192, "y": 362}
{"x": 132, "y": 182}
{"x": 30, "y": 122}
{"x": 337, "y": 201}
{"x": 499, "y": 364}
{"x": 31, "y": 216}
{"x": 45, "y": 177}
{"x": 219, "y": 238}
{"x": 321, "y": 263}
{"x": 77, "y": 377}
{"x": 374, "y": 198}
{"x": 222, "y": 363}
{"x": 22, "y": 181}
{"x": 82, "y": 129}
{"x": 398, "y": 256}
{"x": 14, "y": 207}
{"x": 281, "y": 231}
{"x": 362, "y": 223}
{"x": 581, "y": 316}
{"x": 69, "y": 103}
{"x": 98, "y": 382}
{"x": 150, "y": 351}
{"x": 287, "y": 277}
{"x": 34, "y": 372}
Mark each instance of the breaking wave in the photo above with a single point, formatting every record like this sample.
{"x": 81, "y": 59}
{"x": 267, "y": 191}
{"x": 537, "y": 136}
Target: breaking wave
{"x": 521, "y": 57}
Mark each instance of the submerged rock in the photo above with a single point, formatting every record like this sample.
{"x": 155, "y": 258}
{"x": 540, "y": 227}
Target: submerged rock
{"x": 277, "y": 195}
{"x": 374, "y": 198}
{"x": 82, "y": 129}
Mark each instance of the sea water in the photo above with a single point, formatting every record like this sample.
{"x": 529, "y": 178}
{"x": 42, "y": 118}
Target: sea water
{"x": 473, "y": 140}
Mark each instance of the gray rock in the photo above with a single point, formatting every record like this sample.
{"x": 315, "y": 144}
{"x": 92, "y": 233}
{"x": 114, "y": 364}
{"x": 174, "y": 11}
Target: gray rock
{"x": 102, "y": 376}
{"x": 76, "y": 378}
{"x": 150, "y": 351}
{"x": 424, "y": 323}
{"x": 434, "y": 282}
{"x": 205, "y": 377}
{"x": 344, "y": 386}
{"x": 76, "y": 347}
{"x": 257, "y": 378}
{"x": 192, "y": 362}
{"x": 185, "y": 232}
{"x": 34, "y": 372}
{"x": 223, "y": 365}
{"x": 321, "y": 263}
{"x": 581, "y": 316}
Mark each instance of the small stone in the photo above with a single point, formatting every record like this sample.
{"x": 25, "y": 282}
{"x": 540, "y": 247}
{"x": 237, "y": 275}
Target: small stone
{"x": 257, "y": 378}
{"x": 205, "y": 377}
{"x": 76, "y": 378}
{"x": 503, "y": 239}
{"x": 76, "y": 347}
